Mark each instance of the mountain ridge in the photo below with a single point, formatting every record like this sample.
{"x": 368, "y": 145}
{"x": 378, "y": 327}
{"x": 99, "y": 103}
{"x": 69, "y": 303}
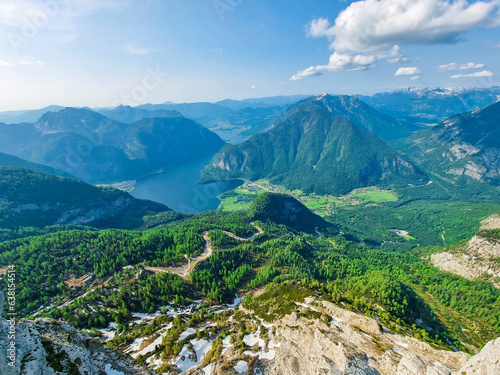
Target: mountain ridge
{"x": 314, "y": 150}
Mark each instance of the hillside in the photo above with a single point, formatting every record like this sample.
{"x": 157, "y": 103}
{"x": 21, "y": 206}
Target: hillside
{"x": 286, "y": 210}
{"x": 7, "y": 160}
{"x": 316, "y": 151}
{"x": 34, "y": 199}
{"x": 476, "y": 259}
{"x": 463, "y": 149}
{"x": 341, "y": 303}
{"x": 363, "y": 115}
{"x": 96, "y": 149}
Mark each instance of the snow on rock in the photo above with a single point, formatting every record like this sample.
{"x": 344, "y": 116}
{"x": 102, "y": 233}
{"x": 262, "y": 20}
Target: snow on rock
{"x": 135, "y": 346}
{"x": 253, "y": 339}
{"x": 187, "y": 360}
{"x": 186, "y": 333}
{"x": 208, "y": 370}
{"x": 241, "y": 367}
{"x": 111, "y": 371}
{"x": 236, "y": 302}
{"x": 226, "y": 344}
{"x": 142, "y": 316}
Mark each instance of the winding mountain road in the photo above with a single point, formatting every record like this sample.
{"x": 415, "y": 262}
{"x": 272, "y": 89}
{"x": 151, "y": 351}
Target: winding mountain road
{"x": 184, "y": 271}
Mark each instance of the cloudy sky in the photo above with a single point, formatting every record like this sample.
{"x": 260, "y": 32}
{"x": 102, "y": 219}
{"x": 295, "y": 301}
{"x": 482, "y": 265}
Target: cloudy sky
{"x": 107, "y": 52}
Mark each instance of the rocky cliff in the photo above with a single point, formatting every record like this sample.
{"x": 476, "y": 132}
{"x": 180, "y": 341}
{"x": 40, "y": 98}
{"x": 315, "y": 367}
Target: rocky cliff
{"x": 47, "y": 347}
{"x": 478, "y": 258}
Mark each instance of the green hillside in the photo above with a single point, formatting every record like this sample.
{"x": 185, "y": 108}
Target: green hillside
{"x": 315, "y": 151}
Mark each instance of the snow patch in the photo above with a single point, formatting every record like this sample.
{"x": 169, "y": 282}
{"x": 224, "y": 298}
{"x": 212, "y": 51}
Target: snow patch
{"x": 111, "y": 371}
{"x": 241, "y": 367}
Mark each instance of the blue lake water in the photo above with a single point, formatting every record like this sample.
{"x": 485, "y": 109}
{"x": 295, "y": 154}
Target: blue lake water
{"x": 177, "y": 188}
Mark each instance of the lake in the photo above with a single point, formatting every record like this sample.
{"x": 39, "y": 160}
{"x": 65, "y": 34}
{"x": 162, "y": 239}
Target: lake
{"x": 177, "y": 188}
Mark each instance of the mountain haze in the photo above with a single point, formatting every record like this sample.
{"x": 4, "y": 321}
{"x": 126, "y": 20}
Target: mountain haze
{"x": 97, "y": 149}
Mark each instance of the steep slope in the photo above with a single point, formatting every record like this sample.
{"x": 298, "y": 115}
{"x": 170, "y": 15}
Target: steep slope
{"x": 364, "y": 116}
{"x": 316, "y": 151}
{"x": 97, "y": 149}
{"x": 7, "y": 160}
{"x": 33, "y": 199}
{"x": 465, "y": 148}
{"x": 47, "y": 347}
{"x": 285, "y": 209}
{"x": 476, "y": 259}
{"x": 169, "y": 141}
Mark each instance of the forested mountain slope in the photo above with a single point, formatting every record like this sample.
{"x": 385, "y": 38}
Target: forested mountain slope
{"x": 97, "y": 149}
{"x": 316, "y": 151}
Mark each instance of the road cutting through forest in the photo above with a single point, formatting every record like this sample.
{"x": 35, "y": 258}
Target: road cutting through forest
{"x": 185, "y": 270}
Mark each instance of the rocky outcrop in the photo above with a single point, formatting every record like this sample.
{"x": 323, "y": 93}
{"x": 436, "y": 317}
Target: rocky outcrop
{"x": 487, "y": 362}
{"x": 353, "y": 344}
{"x": 47, "y": 347}
{"x": 478, "y": 258}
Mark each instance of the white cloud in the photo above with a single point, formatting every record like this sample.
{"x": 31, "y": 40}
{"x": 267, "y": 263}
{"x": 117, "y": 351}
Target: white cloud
{"x": 455, "y": 66}
{"x": 407, "y": 71}
{"x": 378, "y": 28}
{"x": 415, "y": 77}
{"x": 337, "y": 62}
{"x": 136, "y": 50}
{"x": 28, "y": 60}
{"x": 253, "y": 87}
{"x": 484, "y": 73}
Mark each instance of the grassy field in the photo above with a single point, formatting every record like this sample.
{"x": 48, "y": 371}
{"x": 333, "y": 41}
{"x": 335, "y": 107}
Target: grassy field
{"x": 394, "y": 221}
{"x": 377, "y": 196}
{"x": 324, "y": 205}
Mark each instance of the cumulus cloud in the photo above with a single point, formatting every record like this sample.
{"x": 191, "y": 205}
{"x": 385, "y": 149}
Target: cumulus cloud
{"x": 415, "y": 77}
{"x": 484, "y": 73}
{"x": 377, "y": 29}
{"x": 337, "y": 62}
{"x": 407, "y": 71}
{"x": 455, "y": 66}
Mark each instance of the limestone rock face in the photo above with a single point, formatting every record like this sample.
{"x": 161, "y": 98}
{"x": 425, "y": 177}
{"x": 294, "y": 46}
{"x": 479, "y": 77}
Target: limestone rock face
{"x": 48, "y": 347}
{"x": 354, "y": 344}
{"x": 477, "y": 258}
{"x": 486, "y": 362}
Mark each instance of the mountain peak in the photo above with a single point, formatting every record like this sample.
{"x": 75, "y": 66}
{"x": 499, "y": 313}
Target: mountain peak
{"x": 71, "y": 120}
{"x": 316, "y": 149}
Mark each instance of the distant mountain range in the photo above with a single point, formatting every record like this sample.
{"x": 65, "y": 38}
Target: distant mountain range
{"x": 432, "y": 105}
{"x": 315, "y": 150}
{"x": 464, "y": 148}
{"x": 32, "y": 115}
{"x": 128, "y": 114}
{"x": 96, "y": 149}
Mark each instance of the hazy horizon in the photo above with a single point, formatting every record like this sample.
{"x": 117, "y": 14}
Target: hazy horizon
{"x": 108, "y": 52}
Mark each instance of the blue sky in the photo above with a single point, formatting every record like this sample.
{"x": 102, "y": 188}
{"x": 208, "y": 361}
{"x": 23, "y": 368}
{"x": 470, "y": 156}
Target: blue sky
{"x": 108, "y": 52}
